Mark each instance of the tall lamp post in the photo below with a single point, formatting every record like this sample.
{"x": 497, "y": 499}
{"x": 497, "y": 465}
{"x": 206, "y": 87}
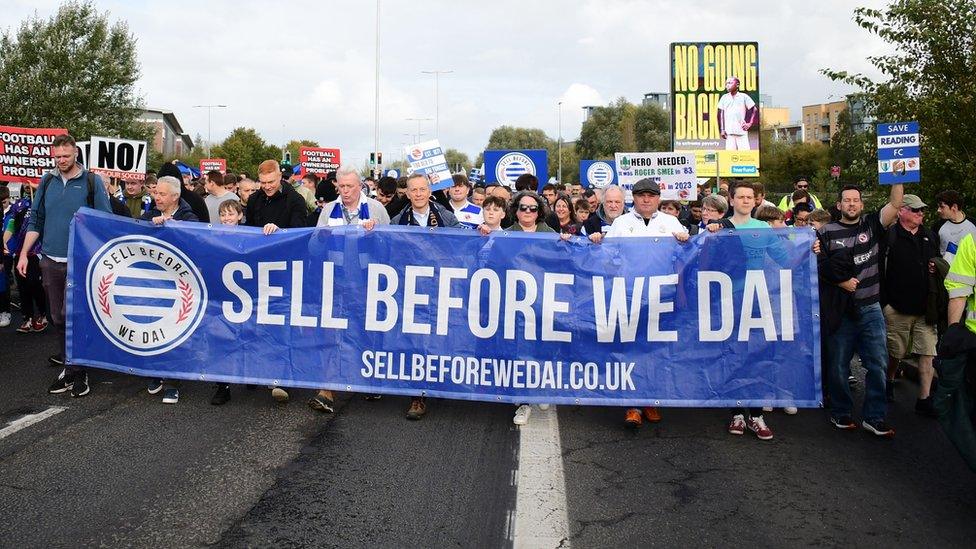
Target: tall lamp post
{"x": 418, "y": 121}
{"x": 437, "y": 102}
{"x": 376, "y": 98}
{"x": 210, "y": 109}
{"x": 559, "y": 173}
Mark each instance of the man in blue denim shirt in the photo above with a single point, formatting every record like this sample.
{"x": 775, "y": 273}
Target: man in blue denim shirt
{"x": 61, "y": 193}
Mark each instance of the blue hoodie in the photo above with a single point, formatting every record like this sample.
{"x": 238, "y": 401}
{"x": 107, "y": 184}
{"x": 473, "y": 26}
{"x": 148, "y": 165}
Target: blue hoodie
{"x": 54, "y": 206}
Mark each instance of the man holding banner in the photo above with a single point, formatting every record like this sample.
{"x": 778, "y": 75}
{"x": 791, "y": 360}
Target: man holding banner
{"x": 352, "y": 207}
{"x": 61, "y": 193}
{"x": 275, "y": 206}
{"x": 646, "y": 220}
{"x": 422, "y": 212}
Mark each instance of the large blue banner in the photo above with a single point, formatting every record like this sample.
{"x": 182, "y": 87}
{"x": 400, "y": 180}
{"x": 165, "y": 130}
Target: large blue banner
{"x": 726, "y": 319}
{"x": 506, "y": 166}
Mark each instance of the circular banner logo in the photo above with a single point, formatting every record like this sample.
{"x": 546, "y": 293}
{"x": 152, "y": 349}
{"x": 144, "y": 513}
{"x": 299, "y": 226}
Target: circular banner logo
{"x": 145, "y": 295}
{"x": 511, "y": 166}
{"x": 599, "y": 174}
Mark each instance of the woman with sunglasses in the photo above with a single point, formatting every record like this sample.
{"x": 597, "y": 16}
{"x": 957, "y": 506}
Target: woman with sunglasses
{"x": 530, "y": 212}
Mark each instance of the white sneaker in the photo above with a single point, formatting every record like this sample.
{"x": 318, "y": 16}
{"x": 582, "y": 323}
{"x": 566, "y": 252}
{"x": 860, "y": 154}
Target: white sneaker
{"x": 4, "y": 320}
{"x": 522, "y": 415}
{"x": 790, "y": 410}
{"x": 543, "y": 407}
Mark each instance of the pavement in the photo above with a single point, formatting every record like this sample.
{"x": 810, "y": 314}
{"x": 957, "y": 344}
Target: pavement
{"x": 119, "y": 468}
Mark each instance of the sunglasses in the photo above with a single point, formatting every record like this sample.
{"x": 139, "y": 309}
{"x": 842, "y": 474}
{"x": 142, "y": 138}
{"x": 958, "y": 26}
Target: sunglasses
{"x": 803, "y": 187}
{"x": 523, "y": 208}
{"x": 917, "y": 210}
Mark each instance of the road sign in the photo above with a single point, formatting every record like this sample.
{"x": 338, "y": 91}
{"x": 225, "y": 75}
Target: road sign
{"x": 898, "y": 153}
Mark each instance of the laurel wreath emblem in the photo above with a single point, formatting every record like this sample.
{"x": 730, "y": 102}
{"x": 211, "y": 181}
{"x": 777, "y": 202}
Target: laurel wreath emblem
{"x": 186, "y": 301}
{"x": 103, "y": 287}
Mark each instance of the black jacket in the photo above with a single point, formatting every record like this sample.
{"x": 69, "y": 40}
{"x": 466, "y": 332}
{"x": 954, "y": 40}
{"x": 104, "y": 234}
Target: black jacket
{"x": 193, "y": 200}
{"x": 182, "y": 213}
{"x": 286, "y": 209}
{"x": 835, "y": 302}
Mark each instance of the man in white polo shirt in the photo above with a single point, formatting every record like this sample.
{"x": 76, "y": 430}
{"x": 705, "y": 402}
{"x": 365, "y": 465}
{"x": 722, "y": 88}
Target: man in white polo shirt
{"x": 736, "y": 114}
{"x": 646, "y": 220}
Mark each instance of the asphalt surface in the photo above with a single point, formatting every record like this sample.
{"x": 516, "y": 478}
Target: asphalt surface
{"x": 119, "y": 468}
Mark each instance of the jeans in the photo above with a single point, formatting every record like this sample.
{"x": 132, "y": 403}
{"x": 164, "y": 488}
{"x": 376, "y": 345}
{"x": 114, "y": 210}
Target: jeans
{"x": 54, "y": 277}
{"x": 866, "y": 335}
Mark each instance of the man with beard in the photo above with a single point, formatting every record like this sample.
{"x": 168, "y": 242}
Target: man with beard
{"x": 850, "y": 260}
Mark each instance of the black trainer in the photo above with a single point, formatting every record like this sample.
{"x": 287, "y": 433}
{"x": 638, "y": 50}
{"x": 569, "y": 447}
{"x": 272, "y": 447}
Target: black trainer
{"x": 222, "y": 395}
{"x": 879, "y": 428}
{"x": 80, "y": 386}
{"x": 56, "y": 360}
{"x": 926, "y": 407}
{"x": 62, "y": 384}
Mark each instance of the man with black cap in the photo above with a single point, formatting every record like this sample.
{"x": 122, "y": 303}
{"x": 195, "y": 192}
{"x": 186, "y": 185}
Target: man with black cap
{"x": 912, "y": 258}
{"x": 646, "y": 220}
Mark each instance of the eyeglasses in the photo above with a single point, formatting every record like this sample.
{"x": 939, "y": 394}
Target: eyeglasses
{"x": 524, "y": 208}
{"x": 917, "y": 210}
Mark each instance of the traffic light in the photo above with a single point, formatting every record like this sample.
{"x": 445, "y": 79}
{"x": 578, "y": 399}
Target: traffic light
{"x": 375, "y": 159}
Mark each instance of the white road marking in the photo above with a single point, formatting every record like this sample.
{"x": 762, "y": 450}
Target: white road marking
{"x": 540, "y": 505}
{"x": 28, "y": 420}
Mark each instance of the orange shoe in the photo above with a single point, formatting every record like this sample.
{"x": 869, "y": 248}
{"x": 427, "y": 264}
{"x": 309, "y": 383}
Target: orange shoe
{"x": 633, "y": 418}
{"x": 651, "y": 414}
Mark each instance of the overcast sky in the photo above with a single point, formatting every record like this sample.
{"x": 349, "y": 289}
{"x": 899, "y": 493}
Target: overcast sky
{"x": 304, "y": 69}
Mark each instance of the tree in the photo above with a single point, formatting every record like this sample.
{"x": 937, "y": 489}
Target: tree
{"x": 295, "y": 144}
{"x": 928, "y": 78}
{"x": 624, "y": 127}
{"x": 457, "y": 158}
{"x": 783, "y": 162}
{"x": 74, "y": 70}
{"x": 244, "y": 149}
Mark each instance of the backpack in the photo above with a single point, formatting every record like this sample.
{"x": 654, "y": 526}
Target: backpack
{"x": 17, "y": 240}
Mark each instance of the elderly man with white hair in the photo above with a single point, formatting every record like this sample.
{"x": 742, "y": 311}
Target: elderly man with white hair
{"x": 612, "y": 208}
{"x": 169, "y": 205}
{"x": 352, "y": 207}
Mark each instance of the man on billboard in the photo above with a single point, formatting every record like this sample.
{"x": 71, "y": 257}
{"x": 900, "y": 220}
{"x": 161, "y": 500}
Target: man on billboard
{"x": 736, "y": 114}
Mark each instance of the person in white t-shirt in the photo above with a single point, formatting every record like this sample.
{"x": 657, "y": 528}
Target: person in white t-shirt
{"x": 955, "y": 225}
{"x": 646, "y": 220}
{"x": 736, "y": 114}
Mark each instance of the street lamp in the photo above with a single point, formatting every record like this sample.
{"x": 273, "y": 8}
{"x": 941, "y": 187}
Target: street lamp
{"x": 376, "y": 81}
{"x": 209, "y": 110}
{"x": 418, "y": 121}
{"x": 437, "y": 103}
{"x": 559, "y": 173}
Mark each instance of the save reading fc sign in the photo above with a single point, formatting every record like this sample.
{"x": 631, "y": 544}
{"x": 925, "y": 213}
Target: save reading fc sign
{"x": 145, "y": 295}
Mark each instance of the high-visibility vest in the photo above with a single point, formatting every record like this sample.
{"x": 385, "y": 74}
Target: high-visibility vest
{"x": 786, "y": 204}
{"x": 961, "y": 279}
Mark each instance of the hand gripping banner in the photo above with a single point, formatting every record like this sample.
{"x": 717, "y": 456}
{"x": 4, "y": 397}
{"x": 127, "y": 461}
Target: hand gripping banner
{"x": 726, "y": 319}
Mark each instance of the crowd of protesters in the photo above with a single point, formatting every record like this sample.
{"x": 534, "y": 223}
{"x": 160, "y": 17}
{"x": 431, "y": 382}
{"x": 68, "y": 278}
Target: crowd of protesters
{"x": 883, "y": 275}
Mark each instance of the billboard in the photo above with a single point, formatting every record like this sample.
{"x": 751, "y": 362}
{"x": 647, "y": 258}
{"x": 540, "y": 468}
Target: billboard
{"x": 715, "y": 106}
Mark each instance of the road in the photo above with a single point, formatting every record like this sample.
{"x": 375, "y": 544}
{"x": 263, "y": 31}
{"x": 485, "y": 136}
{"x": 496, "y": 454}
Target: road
{"x": 119, "y": 468}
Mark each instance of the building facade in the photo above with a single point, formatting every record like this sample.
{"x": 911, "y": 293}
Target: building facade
{"x": 169, "y": 138}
